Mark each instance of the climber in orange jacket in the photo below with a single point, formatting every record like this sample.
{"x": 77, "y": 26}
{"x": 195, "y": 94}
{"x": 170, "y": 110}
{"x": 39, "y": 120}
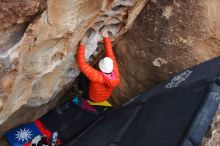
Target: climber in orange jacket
{"x": 101, "y": 82}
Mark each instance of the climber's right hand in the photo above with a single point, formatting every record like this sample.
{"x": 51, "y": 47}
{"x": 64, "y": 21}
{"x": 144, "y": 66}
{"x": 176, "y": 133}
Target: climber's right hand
{"x": 104, "y": 31}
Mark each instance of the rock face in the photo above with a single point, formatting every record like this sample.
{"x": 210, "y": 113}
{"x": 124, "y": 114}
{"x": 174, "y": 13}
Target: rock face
{"x": 15, "y": 17}
{"x": 38, "y": 43}
{"x": 213, "y": 137}
{"x": 167, "y": 37}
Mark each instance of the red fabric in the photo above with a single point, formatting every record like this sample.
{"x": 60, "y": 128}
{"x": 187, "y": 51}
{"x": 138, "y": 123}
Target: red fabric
{"x": 45, "y": 131}
{"x": 100, "y": 87}
{"x": 42, "y": 130}
{"x": 28, "y": 144}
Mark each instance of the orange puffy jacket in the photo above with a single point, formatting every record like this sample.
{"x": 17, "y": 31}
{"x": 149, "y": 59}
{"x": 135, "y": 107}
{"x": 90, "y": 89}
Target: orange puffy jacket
{"x": 100, "y": 86}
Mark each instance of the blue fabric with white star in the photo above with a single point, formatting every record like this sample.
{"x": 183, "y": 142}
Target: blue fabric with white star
{"x": 22, "y": 135}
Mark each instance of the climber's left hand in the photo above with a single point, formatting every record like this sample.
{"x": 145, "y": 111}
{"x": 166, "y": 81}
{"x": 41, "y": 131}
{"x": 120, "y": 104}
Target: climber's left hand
{"x": 104, "y": 31}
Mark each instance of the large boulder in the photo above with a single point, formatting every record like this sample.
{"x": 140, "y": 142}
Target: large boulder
{"x": 168, "y": 36}
{"x": 38, "y": 43}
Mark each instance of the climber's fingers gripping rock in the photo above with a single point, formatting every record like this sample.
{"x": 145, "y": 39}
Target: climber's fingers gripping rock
{"x": 104, "y": 31}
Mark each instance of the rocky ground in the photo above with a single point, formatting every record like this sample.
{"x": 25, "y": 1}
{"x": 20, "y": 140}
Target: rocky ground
{"x": 212, "y": 137}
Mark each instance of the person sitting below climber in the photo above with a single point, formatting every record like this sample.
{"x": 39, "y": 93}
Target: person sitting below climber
{"x": 103, "y": 81}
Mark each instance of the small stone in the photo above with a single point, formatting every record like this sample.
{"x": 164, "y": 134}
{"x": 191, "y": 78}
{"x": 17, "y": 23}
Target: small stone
{"x": 159, "y": 62}
{"x": 168, "y": 12}
{"x": 20, "y": 20}
{"x": 154, "y": 1}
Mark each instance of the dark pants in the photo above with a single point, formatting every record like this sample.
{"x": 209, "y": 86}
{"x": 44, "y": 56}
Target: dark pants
{"x": 84, "y": 85}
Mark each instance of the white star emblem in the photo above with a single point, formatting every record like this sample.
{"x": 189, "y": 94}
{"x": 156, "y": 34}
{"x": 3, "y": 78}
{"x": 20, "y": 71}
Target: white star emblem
{"x": 23, "y": 135}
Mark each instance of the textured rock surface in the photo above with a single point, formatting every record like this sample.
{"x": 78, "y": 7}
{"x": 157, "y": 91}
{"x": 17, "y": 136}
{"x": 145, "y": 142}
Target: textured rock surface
{"x": 15, "y": 17}
{"x": 212, "y": 138}
{"x": 38, "y": 42}
{"x": 167, "y": 37}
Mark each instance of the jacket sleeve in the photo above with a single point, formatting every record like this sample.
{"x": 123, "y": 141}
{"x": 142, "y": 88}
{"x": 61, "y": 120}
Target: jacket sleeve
{"x": 91, "y": 73}
{"x": 110, "y": 53}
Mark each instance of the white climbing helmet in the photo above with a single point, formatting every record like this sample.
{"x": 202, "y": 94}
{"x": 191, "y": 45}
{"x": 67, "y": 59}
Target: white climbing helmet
{"x": 106, "y": 65}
